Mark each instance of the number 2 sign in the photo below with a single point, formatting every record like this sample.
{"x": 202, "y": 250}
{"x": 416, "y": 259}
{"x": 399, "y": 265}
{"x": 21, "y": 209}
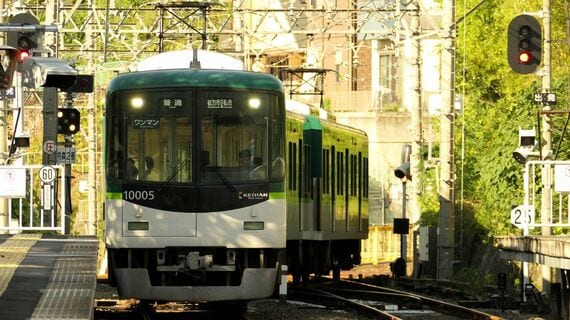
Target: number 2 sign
{"x": 522, "y": 216}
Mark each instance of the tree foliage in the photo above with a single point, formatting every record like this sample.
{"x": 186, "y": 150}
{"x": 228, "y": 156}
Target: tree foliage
{"x": 497, "y": 102}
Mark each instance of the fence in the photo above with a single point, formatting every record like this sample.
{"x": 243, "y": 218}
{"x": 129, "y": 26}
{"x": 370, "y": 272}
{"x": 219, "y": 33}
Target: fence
{"x": 31, "y": 194}
{"x": 382, "y": 245}
{"x": 546, "y": 199}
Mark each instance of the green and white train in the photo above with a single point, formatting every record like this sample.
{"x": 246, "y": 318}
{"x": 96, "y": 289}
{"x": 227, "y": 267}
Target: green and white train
{"x": 212, "y": 185}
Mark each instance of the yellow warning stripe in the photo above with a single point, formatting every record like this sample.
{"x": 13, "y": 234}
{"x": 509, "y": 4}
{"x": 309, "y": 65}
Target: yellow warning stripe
{"x": 12, "y": 252}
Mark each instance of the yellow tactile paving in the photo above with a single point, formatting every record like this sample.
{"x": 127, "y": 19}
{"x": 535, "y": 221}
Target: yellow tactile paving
{"x": 12, "y": 252}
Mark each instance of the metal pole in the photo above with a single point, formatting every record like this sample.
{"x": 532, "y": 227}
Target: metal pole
{"x": 18, "y": 111}
{"x": 92, "y": 145}
{"x": 546, "y": 207}
{"x": 68, "y": 144}
{"x": 49, "y": 134}
{"x": 3, "y": 137}
{"x": 92, "y": 149}
{"x": 403, "y": 236}
{"x": 416, "y": 123}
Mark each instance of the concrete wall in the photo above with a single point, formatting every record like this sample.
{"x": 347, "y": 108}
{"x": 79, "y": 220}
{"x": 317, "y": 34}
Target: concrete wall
{"x": 387, "y": 133}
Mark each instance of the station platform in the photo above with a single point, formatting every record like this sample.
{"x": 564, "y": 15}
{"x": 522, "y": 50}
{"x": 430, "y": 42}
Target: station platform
{"x": 552, "y": 251}
{"x": 47, "y": 276}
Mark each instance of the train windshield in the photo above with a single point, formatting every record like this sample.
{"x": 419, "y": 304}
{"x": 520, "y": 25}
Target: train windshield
{"x": 204, "y": 137}
{"x": 150, "y": 137}
{"x": 234, "y": 130}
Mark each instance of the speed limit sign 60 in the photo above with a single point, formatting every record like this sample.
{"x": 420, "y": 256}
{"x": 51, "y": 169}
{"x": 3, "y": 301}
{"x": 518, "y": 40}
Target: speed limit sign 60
{"x": 47, "y": 174}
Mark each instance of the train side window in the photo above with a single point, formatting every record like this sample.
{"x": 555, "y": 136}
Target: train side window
{"x": 300, "y": 167}
{"x": 308, "y": 186}
{"x": 333, "y": 172}
{"x": 353, "y": 175}
{"x": 350, "y": 175}
{"x": 326, "y": 171}
{"x": 365, "y": 175}
{"x": 359, "y": 191}
{"x": 277, "y": 129}
{"x": 340, "y": 173}
{"x": 346, "y": 172}
{"x": 292, "y": 164}
{"x": 115, "y": 147}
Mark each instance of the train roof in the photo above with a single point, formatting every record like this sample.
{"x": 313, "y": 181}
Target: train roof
{"x": 196, "y": 78}
{"x": 315, "y": 118}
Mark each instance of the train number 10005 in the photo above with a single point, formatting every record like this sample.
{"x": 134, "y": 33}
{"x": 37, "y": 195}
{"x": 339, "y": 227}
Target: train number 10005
{"x": 138, "y": 195}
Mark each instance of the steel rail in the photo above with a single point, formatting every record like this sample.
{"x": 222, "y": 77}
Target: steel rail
{"x": 436, "y": 304}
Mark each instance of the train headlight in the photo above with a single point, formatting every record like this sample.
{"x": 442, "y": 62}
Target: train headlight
{"x": 254, "y": 103}
{"x": 137, "y": 102}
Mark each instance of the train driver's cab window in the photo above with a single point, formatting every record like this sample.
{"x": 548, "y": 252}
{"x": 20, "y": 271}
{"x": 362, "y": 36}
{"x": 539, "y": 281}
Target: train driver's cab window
{"x": 158, "y": 139}
{"x": 234, "y": 128}
{"x": 160, "y": 153}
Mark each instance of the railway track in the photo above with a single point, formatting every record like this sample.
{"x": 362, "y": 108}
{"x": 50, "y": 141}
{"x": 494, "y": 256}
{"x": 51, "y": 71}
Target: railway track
{"x": 382, "y": 302}
{"x": 324, "y": 300}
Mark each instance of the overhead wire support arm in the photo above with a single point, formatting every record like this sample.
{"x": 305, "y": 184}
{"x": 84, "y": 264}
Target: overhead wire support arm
{"x": 203, "y": 7}
{"x": 6, "y": 27}
{"x": 295, "y": 87}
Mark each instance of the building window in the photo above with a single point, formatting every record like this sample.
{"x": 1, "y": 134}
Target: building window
{"x": 387, "y": 72}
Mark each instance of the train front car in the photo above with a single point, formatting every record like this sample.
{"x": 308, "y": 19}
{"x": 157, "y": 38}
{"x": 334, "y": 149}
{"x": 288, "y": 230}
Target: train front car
{"x": 195, "y": 207}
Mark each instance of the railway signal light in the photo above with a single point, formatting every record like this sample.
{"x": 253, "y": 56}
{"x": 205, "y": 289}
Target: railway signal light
{"x": 22, "y": 54}
{"x": 524, "y": 44}
{"x": 403, "y": 171}
{"x": 68, "y": 120}
{"x": 24, "y": 42}
{"x": 83, "y": 83}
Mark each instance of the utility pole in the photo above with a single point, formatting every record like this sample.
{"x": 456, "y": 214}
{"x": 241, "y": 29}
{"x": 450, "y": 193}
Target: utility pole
{"x": 446, "y": 190}
{"x": 3, "y": 135}
{"x": 546, "y": 208}
{"x": 92, "y": 148}
{"x": 417, "y": 130}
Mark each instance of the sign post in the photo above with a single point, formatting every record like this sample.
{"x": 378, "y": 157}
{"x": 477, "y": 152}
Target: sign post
{"x": 47, "y": 175}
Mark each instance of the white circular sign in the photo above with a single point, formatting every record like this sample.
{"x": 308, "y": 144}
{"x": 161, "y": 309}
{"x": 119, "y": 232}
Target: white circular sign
{"x": 47, "y": 174}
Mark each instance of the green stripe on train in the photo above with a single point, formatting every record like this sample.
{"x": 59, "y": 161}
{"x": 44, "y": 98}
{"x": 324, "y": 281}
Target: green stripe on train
{"x": 277, "y": 195}
{"x": 114, "y": 196}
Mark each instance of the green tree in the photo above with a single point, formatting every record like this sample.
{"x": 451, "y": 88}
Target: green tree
{"x": 498, "y": 102}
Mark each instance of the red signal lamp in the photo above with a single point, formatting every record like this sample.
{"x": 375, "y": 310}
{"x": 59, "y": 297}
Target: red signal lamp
{"x": 23, "y": 54}
{"x": 524, "y": 57}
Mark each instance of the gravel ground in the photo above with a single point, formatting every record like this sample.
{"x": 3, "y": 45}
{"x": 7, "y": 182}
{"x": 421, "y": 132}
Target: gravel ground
{"x": 271, "y": 309}
{"x": 292, "y": 310}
